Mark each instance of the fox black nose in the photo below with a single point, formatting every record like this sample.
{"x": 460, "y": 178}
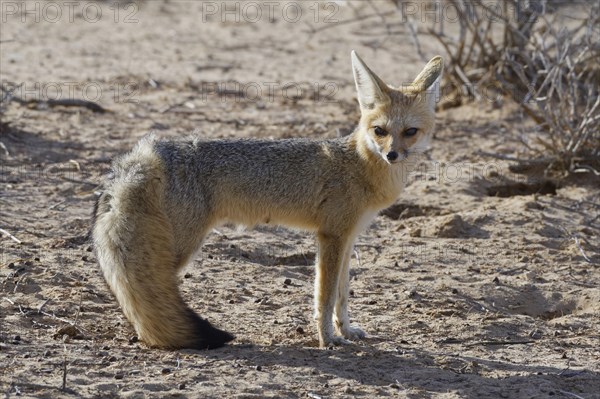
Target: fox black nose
{"x": 392, "y": 155}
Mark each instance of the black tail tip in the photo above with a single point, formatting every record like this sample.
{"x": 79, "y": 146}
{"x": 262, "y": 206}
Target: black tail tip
{"x": 217, "y": 339}
{"x": 208, "y": 337}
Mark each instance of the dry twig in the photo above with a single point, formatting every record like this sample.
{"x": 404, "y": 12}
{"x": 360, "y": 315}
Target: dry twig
{"x": 7, "y": 95}
{"x": 6, "y": 233}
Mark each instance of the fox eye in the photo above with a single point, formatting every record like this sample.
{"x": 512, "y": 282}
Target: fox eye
{"x": 380, "y": 131}
{"x": 410, "y": 132}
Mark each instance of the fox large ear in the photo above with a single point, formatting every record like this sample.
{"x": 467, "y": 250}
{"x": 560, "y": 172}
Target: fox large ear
{"x": 428, "y": 81}
{"x": 371, "y": 89}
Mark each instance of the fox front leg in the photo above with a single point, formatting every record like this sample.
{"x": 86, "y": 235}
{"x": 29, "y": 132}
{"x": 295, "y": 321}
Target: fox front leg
{"x": 342, "y": 320}
{"x": 329, "y": 266}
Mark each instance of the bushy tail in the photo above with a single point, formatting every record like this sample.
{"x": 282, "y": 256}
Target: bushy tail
{"x": 134, "y": 245}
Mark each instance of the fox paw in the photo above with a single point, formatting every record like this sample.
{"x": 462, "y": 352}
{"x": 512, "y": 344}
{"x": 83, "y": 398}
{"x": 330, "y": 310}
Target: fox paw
{"x": 353, "y": 333}
{"x": 333, "y": 341}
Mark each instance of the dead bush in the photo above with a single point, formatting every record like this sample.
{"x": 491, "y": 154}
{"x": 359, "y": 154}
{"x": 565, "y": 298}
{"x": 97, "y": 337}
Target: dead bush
{"x": 550, "y": 69}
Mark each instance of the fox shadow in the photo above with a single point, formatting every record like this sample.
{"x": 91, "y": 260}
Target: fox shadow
{"x": 409, "y": 368}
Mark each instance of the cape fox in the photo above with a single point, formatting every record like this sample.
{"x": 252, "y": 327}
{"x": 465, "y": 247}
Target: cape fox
{"x": 165, "y": 196}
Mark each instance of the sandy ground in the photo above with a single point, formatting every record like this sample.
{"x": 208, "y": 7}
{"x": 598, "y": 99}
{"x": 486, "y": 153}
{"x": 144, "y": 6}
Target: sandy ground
{"x": 478, "y": 283}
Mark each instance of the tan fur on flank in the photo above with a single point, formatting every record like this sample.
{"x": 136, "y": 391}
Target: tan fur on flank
{"x": 166, "y": 195}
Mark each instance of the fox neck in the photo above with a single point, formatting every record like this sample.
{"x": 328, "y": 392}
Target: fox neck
{"x": 386, "y": 180}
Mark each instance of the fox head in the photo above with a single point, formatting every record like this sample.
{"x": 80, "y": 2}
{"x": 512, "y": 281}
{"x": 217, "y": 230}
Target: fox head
{"x": 395, "y": 122}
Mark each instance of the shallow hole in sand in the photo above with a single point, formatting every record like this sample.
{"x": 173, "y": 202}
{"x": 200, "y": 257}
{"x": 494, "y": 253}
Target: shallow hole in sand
{"x": 545, "y": 187}
{"x": 406, "y": 211}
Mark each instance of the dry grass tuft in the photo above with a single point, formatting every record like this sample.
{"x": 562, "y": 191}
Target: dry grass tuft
{"x": 550, "y": 69}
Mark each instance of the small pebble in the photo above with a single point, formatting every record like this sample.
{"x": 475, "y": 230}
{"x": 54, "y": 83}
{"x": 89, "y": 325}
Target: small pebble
{"x": 287, "y": 281}
{"x": 536, "y": 334}
{"x": 415, "y": 232}
{"x": 119, "y": 376}
{"x": 530, "y": 275}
